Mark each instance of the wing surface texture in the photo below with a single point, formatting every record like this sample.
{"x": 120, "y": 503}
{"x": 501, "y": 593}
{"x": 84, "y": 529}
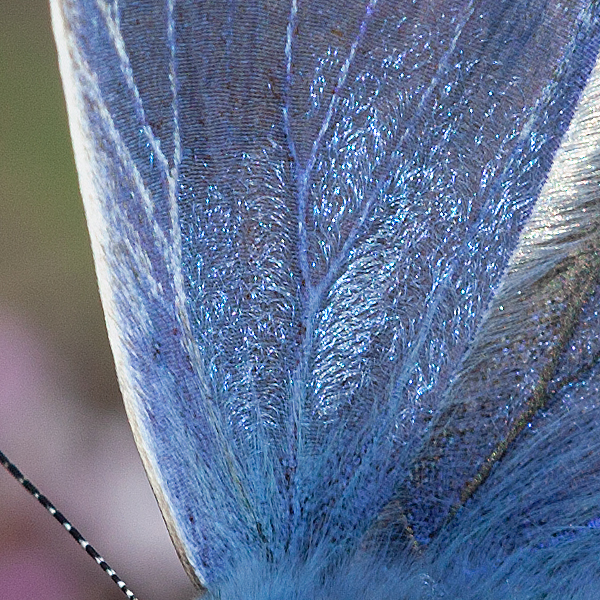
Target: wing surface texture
{"x": 348, "y": 255}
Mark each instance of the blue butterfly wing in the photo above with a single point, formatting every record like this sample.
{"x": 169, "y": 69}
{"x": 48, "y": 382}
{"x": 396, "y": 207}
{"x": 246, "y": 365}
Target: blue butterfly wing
{"x": 345, "y": 251}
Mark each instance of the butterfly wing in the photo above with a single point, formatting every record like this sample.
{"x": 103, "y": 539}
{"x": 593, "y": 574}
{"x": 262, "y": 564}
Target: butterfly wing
{"x": 331, "y": 307}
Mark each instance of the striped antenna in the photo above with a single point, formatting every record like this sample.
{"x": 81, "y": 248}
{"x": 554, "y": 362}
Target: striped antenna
{"x": 16, "y": 473}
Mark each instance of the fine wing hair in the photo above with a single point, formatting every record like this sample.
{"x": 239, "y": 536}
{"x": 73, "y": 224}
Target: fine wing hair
{"x": 348, "y": 254}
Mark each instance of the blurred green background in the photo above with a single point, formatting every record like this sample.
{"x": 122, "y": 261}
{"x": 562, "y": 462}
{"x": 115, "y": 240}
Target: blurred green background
{"x": 45, "y": 258}
{"x": 61, "y": 418}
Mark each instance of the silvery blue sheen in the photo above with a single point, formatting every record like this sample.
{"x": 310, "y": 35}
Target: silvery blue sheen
{"x": 349, "y": 257}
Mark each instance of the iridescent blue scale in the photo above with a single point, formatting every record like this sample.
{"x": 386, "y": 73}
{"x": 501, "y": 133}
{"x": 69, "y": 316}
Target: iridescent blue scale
{"x": 348, "y": 253}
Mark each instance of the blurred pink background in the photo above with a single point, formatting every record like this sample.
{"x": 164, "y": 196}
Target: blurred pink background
{"x": 61, "y": 418}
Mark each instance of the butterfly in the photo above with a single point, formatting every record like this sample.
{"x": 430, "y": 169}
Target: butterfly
{"x": 348, "y": 257}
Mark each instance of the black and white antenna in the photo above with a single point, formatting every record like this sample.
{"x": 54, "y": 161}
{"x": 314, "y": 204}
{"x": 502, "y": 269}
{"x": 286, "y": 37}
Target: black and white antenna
{"x": 16, "y": 473}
